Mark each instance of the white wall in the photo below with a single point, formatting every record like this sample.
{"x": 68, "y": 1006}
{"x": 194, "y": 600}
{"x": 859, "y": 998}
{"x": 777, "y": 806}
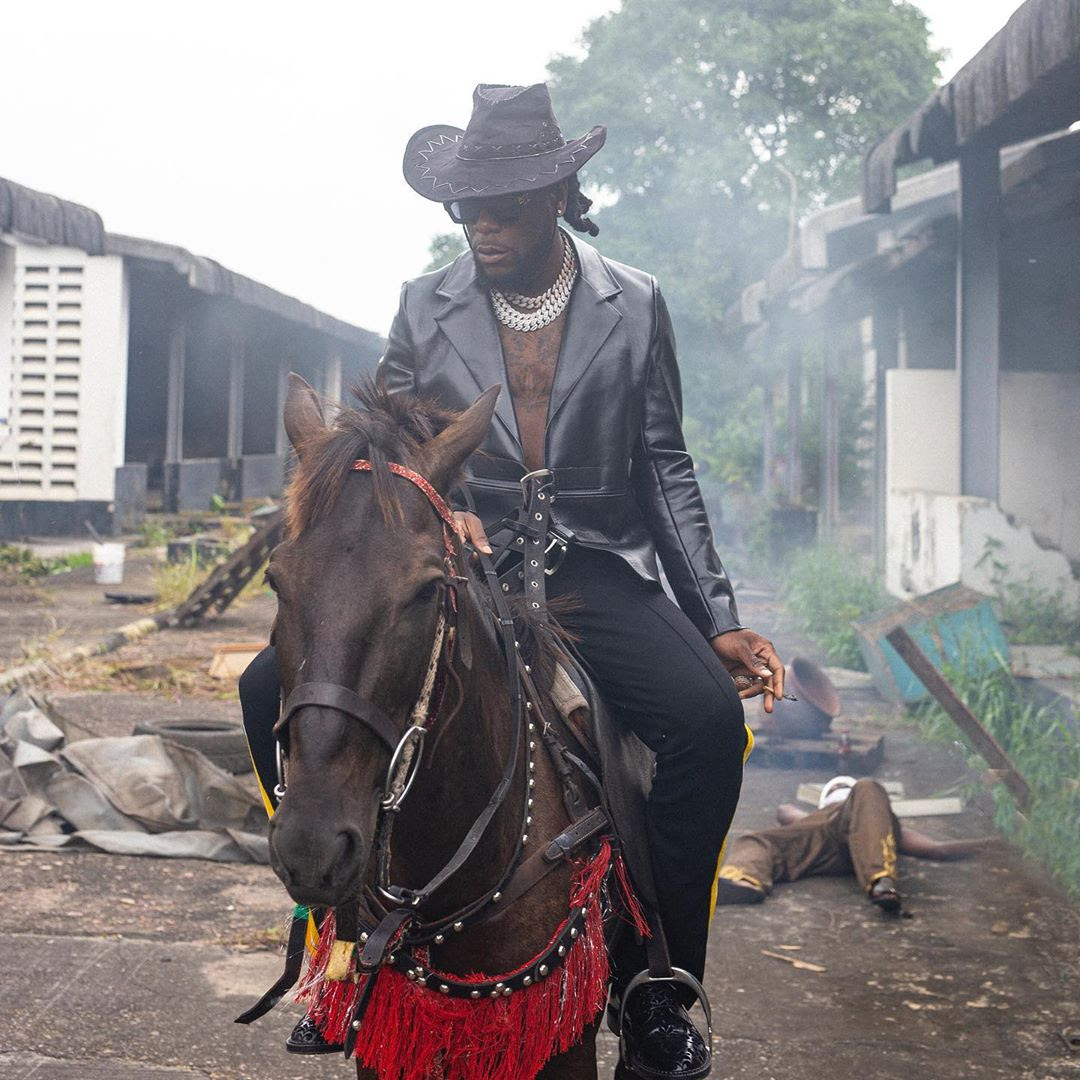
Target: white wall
{"x": 7, "y": 295}
{"x": 69, "y": 332}
{"x": 1040, "y": 454}
{"x": 922, "y": 421}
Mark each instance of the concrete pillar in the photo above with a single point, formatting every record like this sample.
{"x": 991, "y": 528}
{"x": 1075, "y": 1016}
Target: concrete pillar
{"x": 829, "y": 508}
{"x": 174, "y": 407}
{"x": 978, "y": 345}
{"x": 331, "y": 389}
{"x": 794, "y": 426}
{"x": 281, "y": 440}
{"x": 768, "y": 441}
{"x": 886, "y": 356}
{"x": 235, "y": 434}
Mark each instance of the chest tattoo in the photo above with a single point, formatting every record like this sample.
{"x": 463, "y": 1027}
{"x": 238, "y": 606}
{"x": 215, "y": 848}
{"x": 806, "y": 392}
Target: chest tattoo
{"x": 531, "y": 359}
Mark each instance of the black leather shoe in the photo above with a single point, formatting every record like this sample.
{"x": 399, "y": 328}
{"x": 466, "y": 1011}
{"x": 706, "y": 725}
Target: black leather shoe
{"x": 661, "y": 1042}
{"x": 884, "y": 895}
{"x": 306, "y": 1038}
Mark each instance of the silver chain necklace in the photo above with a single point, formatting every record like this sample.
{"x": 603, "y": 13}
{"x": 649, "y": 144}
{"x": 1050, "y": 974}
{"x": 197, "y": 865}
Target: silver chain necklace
{"x": 538, "y": 310}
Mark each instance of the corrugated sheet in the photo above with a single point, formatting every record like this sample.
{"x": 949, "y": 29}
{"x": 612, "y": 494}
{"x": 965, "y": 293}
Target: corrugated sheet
{"x": 1025, "y": 82}
{"x": 51, "y": 220}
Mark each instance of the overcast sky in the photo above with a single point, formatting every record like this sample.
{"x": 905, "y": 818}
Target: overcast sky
{"x": 269, "y": 135}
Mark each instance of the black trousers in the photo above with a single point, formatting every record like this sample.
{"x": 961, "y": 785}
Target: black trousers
{"x": 662, "y": 678}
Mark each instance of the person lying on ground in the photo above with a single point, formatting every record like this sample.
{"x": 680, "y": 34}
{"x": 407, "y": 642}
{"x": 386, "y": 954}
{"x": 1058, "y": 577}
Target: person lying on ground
{"x": 853, "y": 831}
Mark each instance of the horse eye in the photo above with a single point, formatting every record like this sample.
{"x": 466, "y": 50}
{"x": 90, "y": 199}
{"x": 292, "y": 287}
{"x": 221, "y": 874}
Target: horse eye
{"x": 268, "y": 579}
{"x": 426, "y": 593}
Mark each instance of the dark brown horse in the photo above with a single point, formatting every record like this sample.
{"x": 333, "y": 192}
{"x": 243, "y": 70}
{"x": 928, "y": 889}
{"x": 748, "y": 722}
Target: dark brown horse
{"x": 360, "y": 581}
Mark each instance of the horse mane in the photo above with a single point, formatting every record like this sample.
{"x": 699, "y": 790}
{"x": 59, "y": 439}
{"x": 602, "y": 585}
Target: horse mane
{"x": 385, "y": 427}
{"x": 382, "y": 427}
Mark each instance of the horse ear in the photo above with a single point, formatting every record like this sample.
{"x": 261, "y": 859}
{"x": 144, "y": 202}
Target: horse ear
{"x": 448, "y": 451}
{"x": 303, "y": 413}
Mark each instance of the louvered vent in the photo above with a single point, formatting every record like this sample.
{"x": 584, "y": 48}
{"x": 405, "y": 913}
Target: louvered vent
{"x": 40, "y": 458}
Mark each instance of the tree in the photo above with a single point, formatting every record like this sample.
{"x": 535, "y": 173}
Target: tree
{"x": 717, "y": 114}
{"x": 444, "y": 248}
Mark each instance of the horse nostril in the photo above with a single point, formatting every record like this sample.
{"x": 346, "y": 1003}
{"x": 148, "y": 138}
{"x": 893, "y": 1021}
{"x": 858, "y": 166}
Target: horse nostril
{"x": 346, "y": 852}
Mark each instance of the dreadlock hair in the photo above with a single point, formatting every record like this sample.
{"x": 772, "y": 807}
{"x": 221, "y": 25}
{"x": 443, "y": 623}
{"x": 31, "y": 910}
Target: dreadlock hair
{"x": 577, "y": 206}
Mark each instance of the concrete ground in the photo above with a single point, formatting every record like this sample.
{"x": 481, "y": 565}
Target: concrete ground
{"x": 121, "y": 968}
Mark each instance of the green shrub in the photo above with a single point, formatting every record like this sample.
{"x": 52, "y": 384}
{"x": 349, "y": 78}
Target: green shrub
{"x": 824, "y": 590}
{"x": 26, "y": 564}
{"x": 1043, "y": 742}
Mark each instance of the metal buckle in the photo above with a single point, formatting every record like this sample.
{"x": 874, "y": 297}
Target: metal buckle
{"x": 392, "y": 800}
{"x": 678, "y": 975}
{"x": 561, "y": 546}
{"x": 279, "y": 787}
{"x": 534, "y": 475}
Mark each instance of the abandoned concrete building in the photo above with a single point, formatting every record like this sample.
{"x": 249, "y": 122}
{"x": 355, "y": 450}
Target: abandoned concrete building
{"x": 136, "y": 374}
{"x": 958, "y": 292}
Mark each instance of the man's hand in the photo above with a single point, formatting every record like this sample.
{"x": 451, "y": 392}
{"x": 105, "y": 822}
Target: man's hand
{"x": 752, "y": 662}
{"x": 471, "y": 529}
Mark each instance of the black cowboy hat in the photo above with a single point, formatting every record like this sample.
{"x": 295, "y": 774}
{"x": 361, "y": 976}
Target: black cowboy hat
{"x": 512, "y": 144}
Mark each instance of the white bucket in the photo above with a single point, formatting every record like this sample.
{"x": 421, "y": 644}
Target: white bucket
{"x": 108, "y": 564}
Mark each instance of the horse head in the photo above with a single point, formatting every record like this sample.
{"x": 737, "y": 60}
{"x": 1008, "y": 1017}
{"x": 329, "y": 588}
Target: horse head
{"x": 360, "y": 581}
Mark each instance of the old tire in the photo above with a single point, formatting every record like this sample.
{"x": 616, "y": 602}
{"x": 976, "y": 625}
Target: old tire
{"x": 220, "y": 741}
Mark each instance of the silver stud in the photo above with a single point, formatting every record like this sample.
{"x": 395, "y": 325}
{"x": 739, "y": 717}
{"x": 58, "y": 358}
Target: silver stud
{"x": 356, "y": 1025}
{"x": 573, "y": 932}
{"x": 517, "y": 644}
{"x": 528, "y": 670}
{"x": 536, "y": 606}
{"x": 532, "y": 744}
{"x": 532, "y": 726}
{"x": 528, "y": 820}
{"x": 496, "y": 898}
{"x": 532, "y": 766}
{"x": 520, "y": 541}
{"x": 533, "y": 562}
{"x": 506, "y": 586}
{"x": 439, "y": 939}
{"x": 525, "y": 838}
{"x": 392, "y": 958}
{"x": 494, "y": 993}
{"x": 363, "y": 937}
{"x": 527, "y": 981}
{"x": 444, "y": 989}
{"x": 534, "y": 584}
{"x": 458, "y": 927}
{"x": 562, "y": 950}
{"x": 530, "y": 804}
{"x": 537, "y": 517}
{"x": 474, "y": 994}
{"x": 528, "y": 704}
{"x": 410, "y": 975}
{"x": 542, "y": 970}
{"x": 508, "y": 991}
{"x": 532, "y": 782}
{"x": 541, "y": 496}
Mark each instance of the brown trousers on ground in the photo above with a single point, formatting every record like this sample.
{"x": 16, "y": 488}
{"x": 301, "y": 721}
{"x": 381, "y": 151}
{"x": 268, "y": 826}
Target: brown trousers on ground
{"x": 857, "y": 836}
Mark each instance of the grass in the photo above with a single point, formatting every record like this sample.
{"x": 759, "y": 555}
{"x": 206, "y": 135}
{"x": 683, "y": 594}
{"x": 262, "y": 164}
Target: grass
{"x": 1043, "y": 743}
{"x": 824, "y": 589}
{"x": 1031, "y": 616}
{"x": 25, "y": 564}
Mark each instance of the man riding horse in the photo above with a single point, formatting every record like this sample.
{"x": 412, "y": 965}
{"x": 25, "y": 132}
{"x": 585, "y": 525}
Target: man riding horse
{"x": 584, "y": 347}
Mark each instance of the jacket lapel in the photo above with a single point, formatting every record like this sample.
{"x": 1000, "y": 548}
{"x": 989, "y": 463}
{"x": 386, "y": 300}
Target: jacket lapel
{"x": 469, "y": 325}
{"x": 589, "y": 321}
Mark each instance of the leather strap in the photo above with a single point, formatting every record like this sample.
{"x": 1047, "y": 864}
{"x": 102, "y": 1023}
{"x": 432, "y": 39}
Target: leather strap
{"x": 341, "y": 699}
{"x": 294, "y": 959}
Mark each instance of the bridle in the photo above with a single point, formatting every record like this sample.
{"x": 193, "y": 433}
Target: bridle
{"x": 406, "y": 746}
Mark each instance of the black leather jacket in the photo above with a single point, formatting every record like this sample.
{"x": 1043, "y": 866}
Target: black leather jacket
{"x": 624, "y": 480}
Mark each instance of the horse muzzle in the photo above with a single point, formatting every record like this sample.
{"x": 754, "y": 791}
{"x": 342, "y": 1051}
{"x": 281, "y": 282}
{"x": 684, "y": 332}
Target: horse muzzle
{"x": 319, "y": 862}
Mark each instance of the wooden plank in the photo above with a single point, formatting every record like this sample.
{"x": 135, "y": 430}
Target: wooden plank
{"x": 985, "y": 744}
{"x": 224, "y": 583}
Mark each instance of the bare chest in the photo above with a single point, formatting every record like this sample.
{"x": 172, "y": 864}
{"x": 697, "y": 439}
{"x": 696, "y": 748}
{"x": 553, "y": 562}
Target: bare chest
{"x": 531, "y": 359}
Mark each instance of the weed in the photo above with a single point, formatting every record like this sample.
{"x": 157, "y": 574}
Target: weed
{"x": 1044, "y": 745}
{"x": 1029, "y": 615}
{"x": 27, "y": 565}
{"x": 824, "y": 591}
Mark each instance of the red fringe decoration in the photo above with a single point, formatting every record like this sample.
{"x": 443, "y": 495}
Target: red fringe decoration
{"x": 413, "y": 1033}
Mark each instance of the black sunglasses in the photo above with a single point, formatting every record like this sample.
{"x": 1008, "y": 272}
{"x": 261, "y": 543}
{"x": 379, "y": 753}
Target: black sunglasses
{"x": 505, "y": 209}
